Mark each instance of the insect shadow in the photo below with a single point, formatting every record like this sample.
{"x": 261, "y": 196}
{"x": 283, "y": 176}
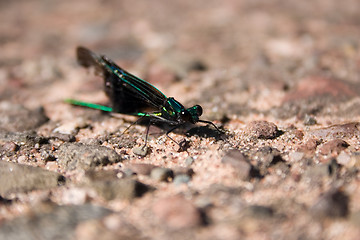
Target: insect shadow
{"x": 186, "y": 129}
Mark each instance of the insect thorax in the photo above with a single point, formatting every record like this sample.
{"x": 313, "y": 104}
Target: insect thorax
{"x": 171, "y": 109}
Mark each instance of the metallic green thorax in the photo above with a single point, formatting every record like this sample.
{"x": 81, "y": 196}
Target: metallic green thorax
{"x": 175, "y": 111}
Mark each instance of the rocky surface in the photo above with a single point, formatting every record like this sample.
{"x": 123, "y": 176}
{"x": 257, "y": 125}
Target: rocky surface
{"x": 280, "y": 79}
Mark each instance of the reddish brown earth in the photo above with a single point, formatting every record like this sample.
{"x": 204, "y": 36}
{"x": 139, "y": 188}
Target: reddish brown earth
{"x": 281, "y": 78}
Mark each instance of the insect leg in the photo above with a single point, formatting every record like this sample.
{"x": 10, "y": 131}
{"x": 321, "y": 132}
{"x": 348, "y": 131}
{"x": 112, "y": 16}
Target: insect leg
{"x": 208, "y": 122}
{"x": 167, "y": 135}
{"x": 132, "y": 124}
{"x": 147, "y": 133}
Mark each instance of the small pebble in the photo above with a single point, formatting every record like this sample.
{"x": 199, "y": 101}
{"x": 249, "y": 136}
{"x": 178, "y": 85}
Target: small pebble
{"x": 182, "y": 179}
{"x": 334, "y": 146}
{"x": 189, "y": 160}
{"x": 140, "y": 151}
{"x": 72, "y": 127}
{"x": 21, "y": 159}
{"x": 344, "y": 159}
{"x": 51, "y": 166}
{"x": 141, "y": 168}
{"x": 128, "y": 172}
{"x": 309, "y": 147}
{"x": 161, "y": 174}
{"x": 263, "y": 129}
{"x": 10, "y": 147}
{"x": 296, "y": 156}
{"x": 309, "y": 120}
{"x": 177, "y": 212}
{"x": 238, "y": 161}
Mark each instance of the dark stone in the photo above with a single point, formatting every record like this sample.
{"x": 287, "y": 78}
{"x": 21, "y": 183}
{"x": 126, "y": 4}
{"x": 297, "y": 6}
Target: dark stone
{"x": 109, "y": 186}
{"x": 16, "y": 178}
{"x": 78, "y": 155}
{"x": 140, "y": 151}
{"x": 5, "y": 201}
{"x": 257, "y": 211}
{"x": 322, "y": 171}
{"x": 197, "y": 65}
{"x": 268, "y": 157}
{"x": 125, "y": 189}
{"x": 162, "y": 174}
{"x": 309, "y": 120}
{"x": 332, "y": 204}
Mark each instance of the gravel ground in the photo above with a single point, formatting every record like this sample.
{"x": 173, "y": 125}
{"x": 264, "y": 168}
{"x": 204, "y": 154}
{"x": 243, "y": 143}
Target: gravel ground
{"x": 280, "y": 78}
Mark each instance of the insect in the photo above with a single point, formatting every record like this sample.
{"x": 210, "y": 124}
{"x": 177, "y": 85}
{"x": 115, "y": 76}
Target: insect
{"x": 131, "y": 95}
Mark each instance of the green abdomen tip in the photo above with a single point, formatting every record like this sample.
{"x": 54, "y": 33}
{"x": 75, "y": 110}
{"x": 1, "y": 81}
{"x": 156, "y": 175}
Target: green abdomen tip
{"x": 89, "y": 105}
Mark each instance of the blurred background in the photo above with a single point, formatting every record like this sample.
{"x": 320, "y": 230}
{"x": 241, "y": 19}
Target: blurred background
{"x": 221, "y": 53}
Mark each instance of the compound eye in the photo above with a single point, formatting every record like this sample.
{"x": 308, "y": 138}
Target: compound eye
{"x": 199, "y": 110}
{"x": 185, "y": 115}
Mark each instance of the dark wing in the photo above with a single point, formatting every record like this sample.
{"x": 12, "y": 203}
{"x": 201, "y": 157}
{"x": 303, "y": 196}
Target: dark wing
{"x": 128, "y": 93}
